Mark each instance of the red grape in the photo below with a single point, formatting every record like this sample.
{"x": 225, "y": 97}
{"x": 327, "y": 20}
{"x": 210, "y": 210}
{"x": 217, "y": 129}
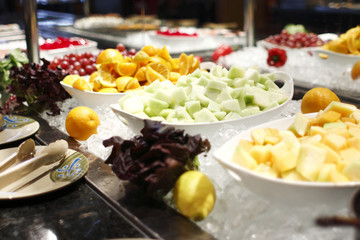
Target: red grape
{"x": 120, "y": 47}
{"x": 296, "y": 40}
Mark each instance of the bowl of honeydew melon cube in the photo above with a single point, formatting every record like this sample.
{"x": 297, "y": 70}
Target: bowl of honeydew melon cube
{"x": 203, "y": 102}
{"x": 304, "y": 160}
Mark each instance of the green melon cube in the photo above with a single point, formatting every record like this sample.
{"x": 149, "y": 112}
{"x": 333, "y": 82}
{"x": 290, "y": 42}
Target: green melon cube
{"x": 196, "y": 73}
{"x": 253, "y": 74}
{"x": 232, "y": 115}
{"x": 216, "y": 84}
{"x": 204, "y": 115}
{"x": 164, "y": 95}
{"x": 165, "y": 112}
{"x": 220, "y": 115}
{"x": 181, "y": 113}
{"x": 231, "y": 105}
{"x": 223, "y": 96}
{"x": 214, "y": 106}
{"x": 212, "y": 93}
{"x": 236, "y": 72}
{"x": 240, "y": 82}
{"x": 179, "y": 95}
{"x": 155, "y": 106}
{"x": 202, "y": 81}
{"x": 250, "y": 111}
{"x": 192, "y": 107}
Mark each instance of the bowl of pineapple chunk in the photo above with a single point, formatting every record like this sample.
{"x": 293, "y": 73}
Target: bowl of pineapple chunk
{"x": 305, "y": 159}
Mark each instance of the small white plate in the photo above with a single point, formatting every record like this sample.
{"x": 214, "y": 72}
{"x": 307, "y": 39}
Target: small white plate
{"x": 72, "y": 169}
{"x": 17, "y": 127}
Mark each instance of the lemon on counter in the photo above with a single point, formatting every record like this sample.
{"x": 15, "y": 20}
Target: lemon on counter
{"x": 194, "y": 195}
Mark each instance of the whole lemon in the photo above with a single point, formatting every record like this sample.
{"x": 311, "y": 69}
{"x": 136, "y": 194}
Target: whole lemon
{"x": 82, "y": 122}
{"x": 194, "y": 195}
{"x": 317, "y": 99}
{"x": 109, "y": 55}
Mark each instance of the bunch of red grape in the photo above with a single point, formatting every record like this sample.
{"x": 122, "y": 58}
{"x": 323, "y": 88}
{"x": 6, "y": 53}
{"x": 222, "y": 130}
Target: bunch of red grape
{"x": 124, "y": 51}
{"x": 76, "y": 63}
{"x": 296, "y": 40}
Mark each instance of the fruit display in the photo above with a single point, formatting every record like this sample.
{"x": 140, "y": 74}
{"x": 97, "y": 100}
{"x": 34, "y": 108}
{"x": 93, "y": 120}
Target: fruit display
{"x": 347, "y": 43}
{"x": 75, "y": 63}
{"x": 116, "y": 73}
{"x": 324, "y": 148}
{"x": 206, "y": 96}
{"x": 295, "y": 39}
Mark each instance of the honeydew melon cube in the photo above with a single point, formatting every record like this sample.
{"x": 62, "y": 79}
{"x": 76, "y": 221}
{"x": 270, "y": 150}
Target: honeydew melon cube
{"x": 232, "y": 116}
{"x": 336, "y": 177}
{"x": 331, "y": 155}
{"x": 240, "y": 82}
{"x": 259, "y": 85}
{"x": 261, "y": 97}
{"x": 310, "y": 160}
{"x": 253, "y": 74}
{"x": 132, "y": 104}
{"x": 263, "y": 79}
{"x": 216, "y": 84}
{"x": 214, "y": 106}
{"x": 224, "y": 96}
{"x": 220, "y": 115}
{"x": 236, "y": 72}
{"x": 167, "y": 84}
{"x": 269, "y": 84}
{"x": 182, "y": 114}
{"x": 197, "y": 73}
{"x": 236, "y": 92}
{"x": 334, "y": 141}
{"x": 285, "y": 161}
{"x": 179, "y": 95}
{"x": 250, "y": 83}
{"x": 228, "y": 81}
{"x": 191, "y": 80}
{"x": 332, "y": 125}
{"x": 164, "y": 95}
{"x": 265, "y": 170}
{"x": 243, "y": 158}
{"x": 352, "y": 170}
{"x": 242, "y": 102}
{"x": 155, "y": 106}
{"x": 171, "y": 117}
{"x": 261, "y": 153}
{"x": 202, "y": 81}
{"x": 155, "y": 85}
{"x": 231, "y": 105}
{"x": 212, "y": 93}
{"x": 192, "y": 107}
{"x": 165, "y": 112}
{"x": 251, "y": 110}
{"x": 219, "y": 71}
{"x": 141, "y": 115}
{"x": 204, "y": 115}
{"x": 278, "y": 96}
{"x": 182, "y": 81}
{"x": 157, "y": 118}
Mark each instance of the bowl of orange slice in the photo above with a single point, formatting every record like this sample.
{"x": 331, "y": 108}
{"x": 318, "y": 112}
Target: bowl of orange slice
{"x": 117, "y": 75}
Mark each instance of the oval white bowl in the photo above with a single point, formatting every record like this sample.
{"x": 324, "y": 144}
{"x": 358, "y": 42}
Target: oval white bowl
{"x": 346, "y": 60}
{"x": 92, "y": 99}
{"x": 279, "y": 191}
{"x": 207, "y": 129}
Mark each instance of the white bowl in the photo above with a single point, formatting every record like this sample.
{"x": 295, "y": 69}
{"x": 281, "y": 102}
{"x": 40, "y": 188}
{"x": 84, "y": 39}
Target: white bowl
{"x": 345, "y": 60}
{"x": 210, "y": 128}
{"x": 92, "y": 99}
{"x": 279, "y": 191}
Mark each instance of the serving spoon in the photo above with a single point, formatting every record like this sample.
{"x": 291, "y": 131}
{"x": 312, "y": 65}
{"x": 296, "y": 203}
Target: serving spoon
{"x": 25, "y": 151}
{"x": 52, "y": 153}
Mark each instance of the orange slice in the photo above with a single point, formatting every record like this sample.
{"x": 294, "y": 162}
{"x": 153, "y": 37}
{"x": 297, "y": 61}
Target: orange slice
{"x": 108, "y": 90}
{"x": 126, "y": 68}
{"x": 195, "y": 64}
{"x": 174, "y": 76}
{"x": 151, "y": 50}
{"x": 82, "y": 84}
{"x": 161, "y": 69}
{"x": 164, "y": 53}
{"x": 106, "y": 79}
{"x": 140, "y": 75}
{"x": 184, "y": 64}
{"x": 70, "y": 79}
{"x": 152, "y": 75}
{"x": 122, "y": 82}
{"x": 175, "y": 64}
{"x": 141, "y": 57}
{"x": 161, "y": 60}
{"x": 133, "y": 84}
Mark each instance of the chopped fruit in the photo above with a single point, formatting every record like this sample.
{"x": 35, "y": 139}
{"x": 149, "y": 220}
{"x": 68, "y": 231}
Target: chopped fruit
{"x": 126, "y": 68}
{"x": 82, "y": 84}
{"x": 184, "y": 65}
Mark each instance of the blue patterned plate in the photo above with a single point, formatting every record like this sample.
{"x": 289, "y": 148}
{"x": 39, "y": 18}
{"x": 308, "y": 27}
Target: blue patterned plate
{"x": 46, "y": 178}
{"x": 17, "y": 127}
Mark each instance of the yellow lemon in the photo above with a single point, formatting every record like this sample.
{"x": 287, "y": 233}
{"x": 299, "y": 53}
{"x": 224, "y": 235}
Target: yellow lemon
{"x": 141, "y": 57}
{"x": 174, "y": 76}
{"x": 82, "y": 122}
{"x": 133, "y": 84}
{"x": 164, "y": 53}
{"x": 70, "y": 79}
{"x": 106, "y": 79}
{"x": 109, "y": 55}
{"x": 184, "y": 64}
{"x": 194, "y": 195}
{"x": 140, "y": 74}
{"x": 81, "y": 84}
{"x": 161, "y": 69}
{"x": 151, "y": 50}
{"x": 317, "y": 99}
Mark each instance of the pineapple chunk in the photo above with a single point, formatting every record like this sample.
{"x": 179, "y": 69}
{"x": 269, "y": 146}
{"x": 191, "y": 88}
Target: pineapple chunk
{"x": 311, "y": 159}
{"x": 244, "y": 158}
{"x": 261, "y": 153}
{"x": 344, "y": 109}
{"x": 334, "y": 141}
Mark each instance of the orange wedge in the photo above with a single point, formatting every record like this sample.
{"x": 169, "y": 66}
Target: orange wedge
{"x": 151, "y": 50}
{"x": 174, "y": 76}
{"x": 152, "y": 75}
{"x": 164, "y": 53}
{"x": 184, "y": 64}
{"x": 161, "y": 60}
{"x": 126, "y": 68}
{"x": 140, "y": 75}
{"x": 108, "y": 90}
{"x": 195, "y": 64}
{"x": 106, "y": 79}
{"x": 122, "y": 82}
{"x": 133, "y": 84}
{"x": 175, "y": 64}
{"x": 161, "y": 69}
{"x": 141, "y": 57}
{"x": 81, "y": 84}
